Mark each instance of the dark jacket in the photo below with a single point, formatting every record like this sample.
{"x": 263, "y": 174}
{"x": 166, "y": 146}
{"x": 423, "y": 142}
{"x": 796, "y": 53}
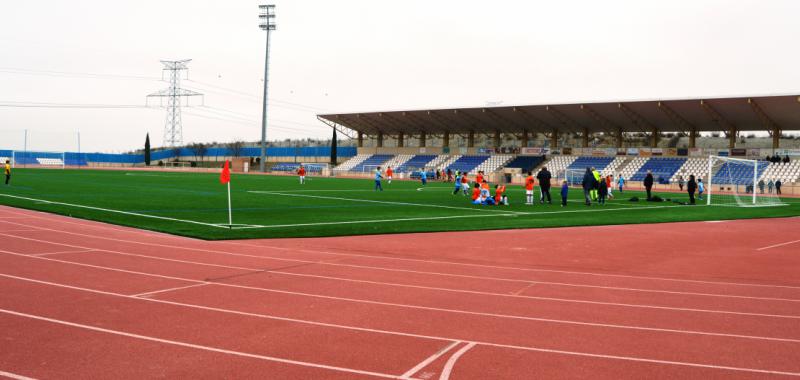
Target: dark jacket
{"x": 691, "y": 186}
{"x": 588, "y": 180}
{"x": 544, "y": 178}
{"x": 601, "y": 188}
{"x": 648, "y": 180}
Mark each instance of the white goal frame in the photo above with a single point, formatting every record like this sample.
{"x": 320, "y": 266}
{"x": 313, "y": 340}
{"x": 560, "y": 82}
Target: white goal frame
{"x": 710, "y": 183}
{"x": 63, "y": 158}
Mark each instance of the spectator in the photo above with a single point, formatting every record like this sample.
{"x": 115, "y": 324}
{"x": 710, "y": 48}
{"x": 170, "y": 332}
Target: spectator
{"x": 588, "y": 185}
{"x": 691, "y": 187}
{"x": 544, "y": 177}
{"x": 786, "y": 159}
{"x": 769, "y": 158}
{"x": 770, "y": 185}
{"x": 680, "y": 182}
{"x": 761, "y": 186}
{"x": 648, "y": 184}
{"x": 778, "y": 186}
{"x": 776, "y": 159}
{"x": 602, "y": 191}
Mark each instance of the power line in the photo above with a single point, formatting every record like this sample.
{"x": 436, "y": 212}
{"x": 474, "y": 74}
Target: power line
{"x": 14, "y": 104}
{"x": 69, "y": 74}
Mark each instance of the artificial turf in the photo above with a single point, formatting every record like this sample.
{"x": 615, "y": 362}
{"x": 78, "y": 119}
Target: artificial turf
{"x": 278, "y": 206}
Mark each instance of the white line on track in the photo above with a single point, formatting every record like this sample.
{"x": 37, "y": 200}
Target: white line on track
{"x": 415, "y": 271}
{"x": 196, "y": 346}
{"x": 14, "y": 376}
{"x": 409, "y": 286}
{"x": 114, "y": 211}
{"x": 448, "y": 367}
{"x": 147, "y": 294}
{"x": 442, "y": 310}
{"x": 429, "y": 360}
{"x": 431, "y": 337}
{"x": 63, "y": 252}
{"x": 64, "y": 219}
{"x": 778, "y": 245}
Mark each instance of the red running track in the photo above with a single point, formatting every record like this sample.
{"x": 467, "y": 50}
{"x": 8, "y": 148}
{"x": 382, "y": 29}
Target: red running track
{"x": 687, "y": 300}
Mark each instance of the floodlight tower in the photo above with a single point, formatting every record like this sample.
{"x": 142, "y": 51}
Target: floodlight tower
{"x": 266, "y": 15}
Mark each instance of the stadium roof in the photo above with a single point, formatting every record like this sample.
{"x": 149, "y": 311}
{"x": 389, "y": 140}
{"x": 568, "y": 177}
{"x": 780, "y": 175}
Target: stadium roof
{"x": 755, "y": 113}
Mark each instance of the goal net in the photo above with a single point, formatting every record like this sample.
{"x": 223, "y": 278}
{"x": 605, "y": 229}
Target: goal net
{"x": 574, "y": 177}
{"x": 739, "y": 182}
{"x": 37, "y": 148}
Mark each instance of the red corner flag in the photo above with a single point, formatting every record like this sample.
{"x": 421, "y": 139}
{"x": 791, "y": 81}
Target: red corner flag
{"x": 225, "y": 177}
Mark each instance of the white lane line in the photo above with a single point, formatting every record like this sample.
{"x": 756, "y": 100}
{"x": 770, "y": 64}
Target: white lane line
{"x": 113, "y": 211}
{"x": 452, "y": 311}
{"x": 62, "y": 252}
{"x": 64, "y": 219}
{"x": 778, "y": 245}
{"x": 419, "y": 272}
{"x": 14, "y": 376}
{"x": 196, "y": 346}
{"x": 147, "y": 294}
{"x": 429, "y": 360}
{"x": 448, "y": 368}
{"x": 397, "y": 333}
{"x": 373, "y": 221}
{"x": 411, "y": 286}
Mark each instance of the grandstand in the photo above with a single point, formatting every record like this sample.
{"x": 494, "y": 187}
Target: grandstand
{"x": 599, "y": 163}
{"x": 526, "y": 163}
{"x": 467, "y": 164}
{"x": 663, "y": 169}
{"x": 416, "y": 162}
{"x": 788, "y": 172}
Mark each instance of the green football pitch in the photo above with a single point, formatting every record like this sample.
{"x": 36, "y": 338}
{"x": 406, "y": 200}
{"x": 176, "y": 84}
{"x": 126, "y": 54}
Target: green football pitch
{"x": 195, "y": 204}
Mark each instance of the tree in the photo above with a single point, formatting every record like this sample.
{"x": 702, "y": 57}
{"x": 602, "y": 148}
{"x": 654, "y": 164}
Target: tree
{"x": 199, "y": 150}
{"x": 147, "y": 150}
{"x": 333, "y": 148}
{"x": 236, "y": 148}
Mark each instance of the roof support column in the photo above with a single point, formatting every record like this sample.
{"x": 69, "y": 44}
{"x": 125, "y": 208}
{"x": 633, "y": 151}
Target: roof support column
{"x": 422, "y": 139}
{"x": 554, "y": 138}
{"x": 776, "y": 138}
{"x": 732, "y": 138}
{"x": 524, "y": 139}
{"x": 618, "y": 138}
{"x": 585, "y": 138}
{"x": 380, "y": 140}
{"x": 400, "y": 137}
{"x": 446, "y": 140}
{"x": 654, "y": 138}
{"x": 360, "y": 139}
{"x": 497, "y": 139}
{"x": 471, "y": 139}
{"x": 693, "y": 139}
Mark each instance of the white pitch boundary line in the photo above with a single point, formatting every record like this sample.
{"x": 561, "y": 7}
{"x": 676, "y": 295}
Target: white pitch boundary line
{"x": 429, "y": 360}
{"x": 453, "y": 311}
{"x": 380, "y": 202}
{"x": 14, "y": 376}
{"x": 448, "y": 367}
{"x": 114, "y": 211}
{"x": 414, "y": 271}
{"x": 147, "y": 294}
{"x": 778, "y": 245}
{"x": 410, "y": 286}
{"x": 397, "y": 333}
{"x": 195, "y": 346}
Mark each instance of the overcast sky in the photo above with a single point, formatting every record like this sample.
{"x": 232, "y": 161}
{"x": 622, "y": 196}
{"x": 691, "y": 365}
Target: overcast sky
{"x": 342, "y": 56}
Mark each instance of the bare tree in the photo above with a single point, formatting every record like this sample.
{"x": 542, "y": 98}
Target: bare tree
{"x": 236, "y": 148}
{"x": 199, "y": 150}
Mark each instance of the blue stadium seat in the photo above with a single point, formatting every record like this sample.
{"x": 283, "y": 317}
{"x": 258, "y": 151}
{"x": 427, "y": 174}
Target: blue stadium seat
{"x": 663, "y": 169}
{"x": 416, "y": 162}
{"x": 583, "y": 162}
{"x": 467, "y": 163}
{"x": 737, "y": 173}
{"x": 374, "y": 160}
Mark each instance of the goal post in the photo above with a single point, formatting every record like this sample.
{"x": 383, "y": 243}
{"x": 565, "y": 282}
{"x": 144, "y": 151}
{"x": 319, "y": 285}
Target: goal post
{"x": 36, "y": 159}
{"x": 739, "y": 182}
{"x": 574, "y": 177}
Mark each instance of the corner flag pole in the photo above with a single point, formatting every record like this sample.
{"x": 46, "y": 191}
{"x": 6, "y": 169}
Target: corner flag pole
{"x": 230, "y": 214}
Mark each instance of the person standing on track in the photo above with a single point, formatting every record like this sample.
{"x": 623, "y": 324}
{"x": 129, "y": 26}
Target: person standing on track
{"x": 301, "y": 172}
{"x": 778, "y": 185}
{"x": 529, "y": 189}
{"x": 389, "y": 173}
{"x": 648, "y": 184}
{"x": 544, "y": 177}
{"x": 7, "y": 170}
{"x": 691, "y": 187}
{"x": 378, "y": 178}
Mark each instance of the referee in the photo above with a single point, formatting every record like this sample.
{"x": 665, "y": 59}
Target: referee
{"x": 8, "y": 171}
